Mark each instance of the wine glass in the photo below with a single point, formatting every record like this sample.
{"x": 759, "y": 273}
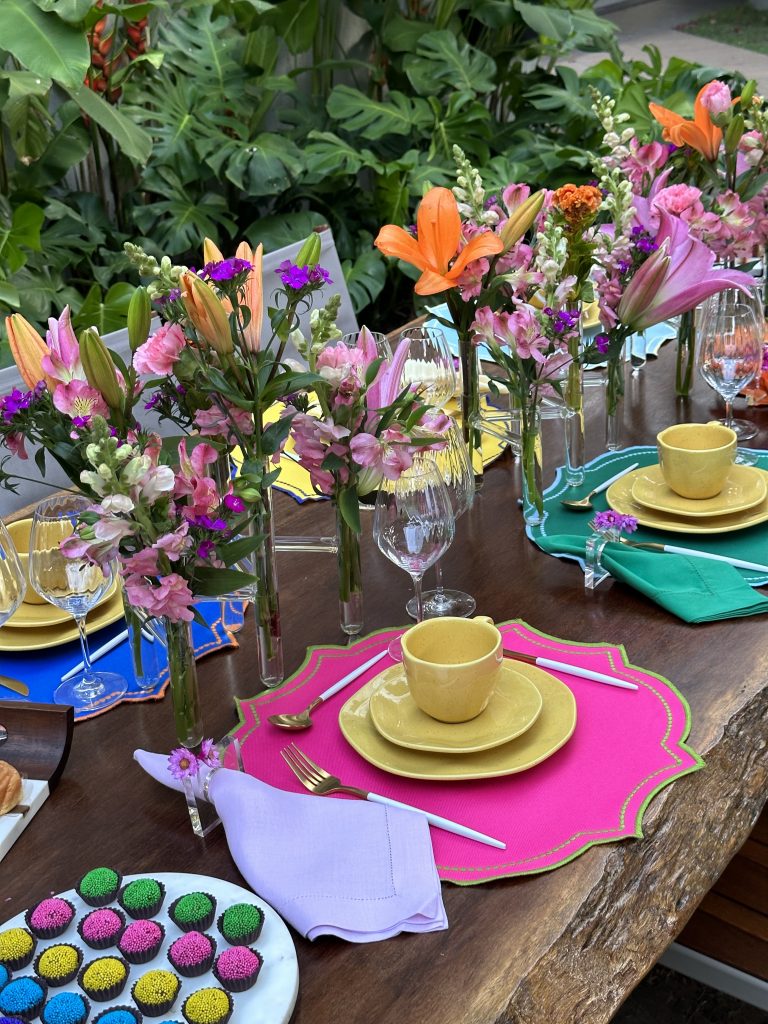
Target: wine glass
{"x": 413, "y": 526}
{"x": 12, "y": 580}
{"x": 383, "y": 348}
{"x": 727, "y": 313}
{"x": 456, "y": 469}
{"x": 76, "y": 585}
{"x": 731, "y": 351}
{"x": 429, "y": 365}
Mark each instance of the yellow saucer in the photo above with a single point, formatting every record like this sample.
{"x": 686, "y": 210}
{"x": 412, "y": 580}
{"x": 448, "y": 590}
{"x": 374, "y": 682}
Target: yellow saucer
{"x": 514, "y": 707}
{"x": 619, "y": 497}
{"x": 745, "y": 487}
{"x": 33, "y": 616}
{"x": 550, "y": 731}
{"x": 39, "y": 637}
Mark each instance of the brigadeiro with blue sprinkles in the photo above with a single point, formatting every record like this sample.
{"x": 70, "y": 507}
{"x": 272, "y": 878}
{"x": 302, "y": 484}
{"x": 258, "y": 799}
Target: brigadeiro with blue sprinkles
{"x": 119, "y": 1015}
{"x": 23, "y": 997}
{"x": 5, "y": 975}
{"x": 66, "y": 1008}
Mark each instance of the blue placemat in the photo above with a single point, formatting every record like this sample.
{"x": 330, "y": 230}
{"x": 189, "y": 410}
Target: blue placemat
{"x": 42, "y": 670}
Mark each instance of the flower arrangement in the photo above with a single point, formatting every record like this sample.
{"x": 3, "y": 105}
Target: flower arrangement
{"x": 361, "y": 427}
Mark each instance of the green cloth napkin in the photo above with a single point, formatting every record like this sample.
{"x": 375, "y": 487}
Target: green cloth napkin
{"x": 694, "y": 589}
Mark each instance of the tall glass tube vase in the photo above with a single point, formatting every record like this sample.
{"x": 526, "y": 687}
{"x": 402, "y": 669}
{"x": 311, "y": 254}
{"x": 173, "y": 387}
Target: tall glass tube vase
{"x": 267, "y": 601}
{"x": 686, "y": 353}
{"x": 531, "y": 459}
{"x": 614, "y": 402}
{"x": 470, "y": 403}
{"x": 350, "y": 576}
{"x": 573, "y": 413}
{"x": 182, "y": 674}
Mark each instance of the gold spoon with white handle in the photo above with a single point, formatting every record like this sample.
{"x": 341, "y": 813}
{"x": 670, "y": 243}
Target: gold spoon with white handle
{"x": 302, "y": 719}
{"x": 585, "y": 504}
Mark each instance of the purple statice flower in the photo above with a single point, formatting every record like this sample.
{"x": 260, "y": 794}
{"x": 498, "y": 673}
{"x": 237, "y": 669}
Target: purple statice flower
{"x": 611, "y": 520}
{"x": 209, "y": 755}
{"x": 234, "y": 504}
{"x": 412, "y": 229}
{"x": 81, "y": 421}
{"x": 183, "y": 764}
{"x": 490, "y": 201}
{"x": 602, "y": 342}
{"x": 181, "y": 390}
{"x": 153, "y": 401}
{"x": 319, "y": 275}
{"x": 17, "y": 401}
{"x": 647, "y": 245}
{"x": 624, "y": 266}
{"x": 205, "y": 549}
{"x": 209, "y": 524}
{"x": 225, "y": 270}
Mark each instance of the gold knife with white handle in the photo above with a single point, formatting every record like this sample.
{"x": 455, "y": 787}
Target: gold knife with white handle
{"x": 15, "y": 685}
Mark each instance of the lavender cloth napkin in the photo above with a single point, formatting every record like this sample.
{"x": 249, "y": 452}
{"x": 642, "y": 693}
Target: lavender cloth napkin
{"x": 357, "y": 870}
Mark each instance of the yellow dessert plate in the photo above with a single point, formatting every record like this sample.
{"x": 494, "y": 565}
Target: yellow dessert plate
{"x": 514, "y": 707}
{"x": 590, "y": 316}
{"x": 39, "y": 637}
{"x": 553, "y": 728}
{"x": 619, "y": 497}
{"x": 745, "y": 487}
{"x": 32, "y": 616}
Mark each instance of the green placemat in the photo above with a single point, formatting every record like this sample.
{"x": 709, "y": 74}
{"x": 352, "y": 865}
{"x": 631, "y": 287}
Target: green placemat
{"x": 695, "y": 589}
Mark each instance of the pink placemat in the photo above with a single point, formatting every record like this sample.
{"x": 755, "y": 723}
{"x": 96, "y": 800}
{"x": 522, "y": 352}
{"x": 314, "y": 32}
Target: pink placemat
{"x": 627, "y": 745}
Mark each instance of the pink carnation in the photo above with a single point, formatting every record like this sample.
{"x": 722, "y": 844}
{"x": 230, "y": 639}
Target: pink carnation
{"x": 716, "y": 98}
{"x": 160, "y": 351}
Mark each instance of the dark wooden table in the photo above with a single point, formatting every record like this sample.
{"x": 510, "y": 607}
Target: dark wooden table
{"x": 558, "y": 948}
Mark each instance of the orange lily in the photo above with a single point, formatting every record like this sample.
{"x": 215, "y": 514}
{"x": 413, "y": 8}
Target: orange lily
{"x": 28, "y": 350}
{"x": 700, "y": 133}
{"x": 206, "y": 313}
{"x": 438, "y": 227}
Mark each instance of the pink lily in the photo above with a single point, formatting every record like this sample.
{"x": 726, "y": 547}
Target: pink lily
{"x": 63, "y": 359}
{"x": 675, "y": 278}
{"x": 387, "y": 385}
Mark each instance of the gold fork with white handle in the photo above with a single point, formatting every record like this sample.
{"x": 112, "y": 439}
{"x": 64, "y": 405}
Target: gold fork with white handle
{"x": 317, "y": 780}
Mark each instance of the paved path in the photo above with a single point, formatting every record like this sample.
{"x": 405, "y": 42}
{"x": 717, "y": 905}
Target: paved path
{"x": 656, "y": 21}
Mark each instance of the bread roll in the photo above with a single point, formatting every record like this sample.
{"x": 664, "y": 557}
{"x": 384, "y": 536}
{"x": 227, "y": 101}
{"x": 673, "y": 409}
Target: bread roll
{"x": 10, "y": 787}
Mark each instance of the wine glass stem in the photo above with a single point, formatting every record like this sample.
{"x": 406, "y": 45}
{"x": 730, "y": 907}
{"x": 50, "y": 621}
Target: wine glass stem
{"x": 729, "y": 412}
{"x": 439, "y": 577}
{"x": 419, "y": 600}
{"x": 88, "y": 685}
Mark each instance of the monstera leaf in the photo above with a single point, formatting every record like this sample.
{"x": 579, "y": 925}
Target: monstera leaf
{"x": 397, "y": 115}
{"x": 440, "y": 64}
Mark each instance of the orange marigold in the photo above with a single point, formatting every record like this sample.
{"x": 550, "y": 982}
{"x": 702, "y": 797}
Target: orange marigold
{"x": 578, "y": 203}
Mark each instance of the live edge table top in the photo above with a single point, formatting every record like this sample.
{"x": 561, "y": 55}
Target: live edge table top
{"x": 558, "y": 948}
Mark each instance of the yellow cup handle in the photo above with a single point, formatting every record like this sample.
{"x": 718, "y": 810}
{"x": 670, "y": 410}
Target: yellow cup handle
{"x": 484, "y": 618}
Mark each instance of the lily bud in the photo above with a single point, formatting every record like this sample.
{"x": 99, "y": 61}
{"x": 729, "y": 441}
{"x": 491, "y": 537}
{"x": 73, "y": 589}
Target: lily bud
{"x": 253, "y": 294}
{"x": 211, "y": 252}
{"x": 309, "y": 253}
{"x": 206, "y": 313}
{"x": 747, "y": 93}
{"x": 733, "y": 133}
{"x": 521, "y": 219}
{"x": 99, "y": 369}
{"x": 28, "y": 350}
{"x": 139, "y": 316}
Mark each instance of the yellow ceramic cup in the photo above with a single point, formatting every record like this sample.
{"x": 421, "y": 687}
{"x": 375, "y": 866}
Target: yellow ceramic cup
{"x": 452, "y": 666}
{"x": 20, "y": 532}
{"x": 695, "y": 457}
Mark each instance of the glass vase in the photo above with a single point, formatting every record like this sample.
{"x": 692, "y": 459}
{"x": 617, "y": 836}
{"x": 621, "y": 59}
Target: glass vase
{"x": 182, "y": 675}
{"x": 268, "y": 629}
{"x": 146, "y": 643}
{"x": 470, "y": 403}
{"x": 686, "y": 353}
{"x": 531, "y": 460}
{"x": 614, "y": 402}
{"x": 573, "y": 411}
{"x": 350, "y": 577}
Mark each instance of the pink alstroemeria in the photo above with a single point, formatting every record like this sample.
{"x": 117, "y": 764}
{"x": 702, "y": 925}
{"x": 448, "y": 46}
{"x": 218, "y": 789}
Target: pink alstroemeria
{"x": 171, "y": 597}
{"x": 78, "y": 398}
{"x": 214, "y": 423}
{"x": 675, "y": 278}
{"x": 388, "y": 455}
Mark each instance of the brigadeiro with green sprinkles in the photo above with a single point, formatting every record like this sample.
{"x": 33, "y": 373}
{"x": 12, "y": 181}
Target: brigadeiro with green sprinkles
{"x": 23, "y": 997}
{"x": 17, "y": 947}
{"x": 99, "y": 886}
{"x": 241, "y": 924}
{"x": 193, "y": 912}
{"x": 142, "y": 898}
{"x": 66, "y": 1008}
